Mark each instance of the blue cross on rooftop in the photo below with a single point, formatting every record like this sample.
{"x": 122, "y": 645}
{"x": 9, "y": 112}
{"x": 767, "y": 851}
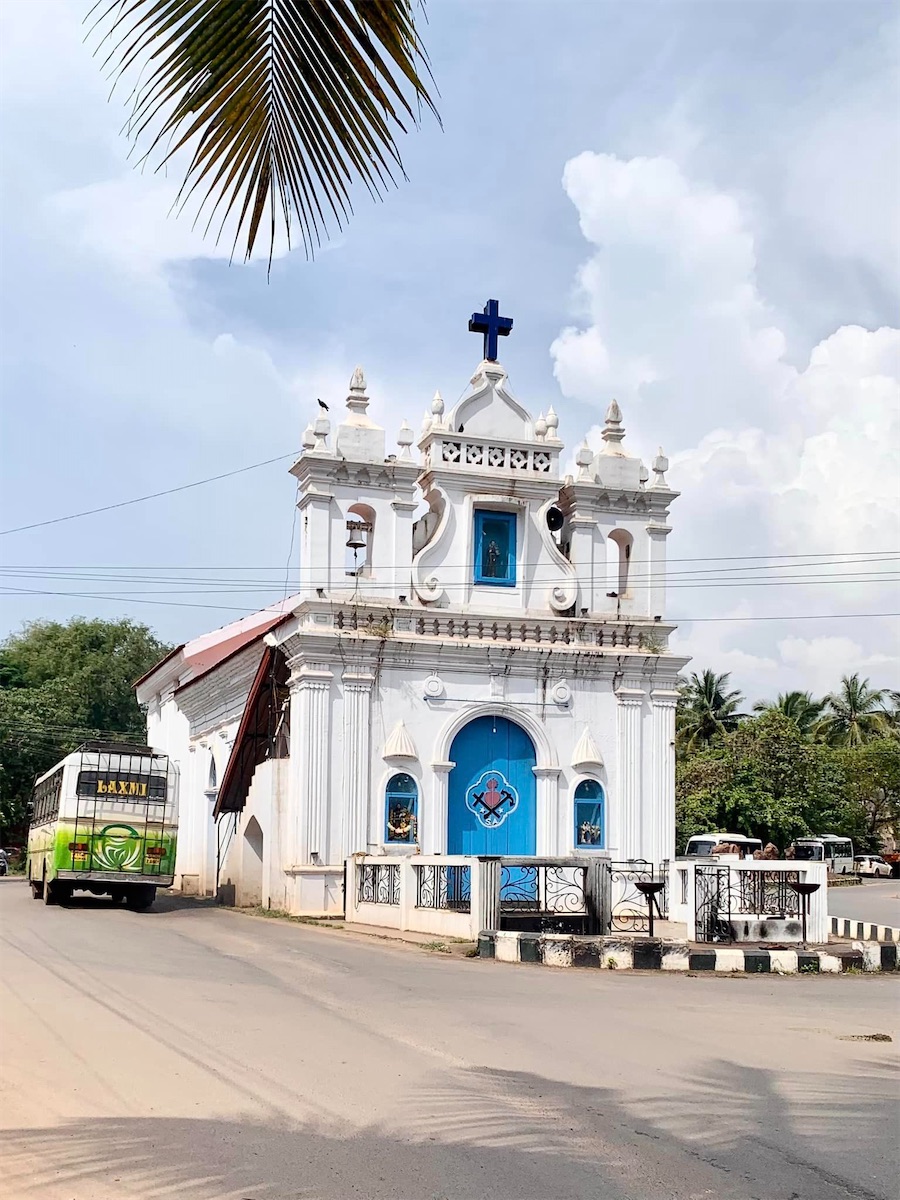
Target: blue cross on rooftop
{"x": 492, "y": 325}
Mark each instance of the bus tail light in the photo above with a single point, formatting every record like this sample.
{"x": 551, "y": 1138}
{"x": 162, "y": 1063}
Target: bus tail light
{"x": 79, "y": 847}
{"x": 156, "y": 852}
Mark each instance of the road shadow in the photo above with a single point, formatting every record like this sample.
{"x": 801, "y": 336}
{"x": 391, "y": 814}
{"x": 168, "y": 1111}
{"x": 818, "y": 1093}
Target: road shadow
{"x": 166, "y": 901}
{"x": 730, "y": 1134}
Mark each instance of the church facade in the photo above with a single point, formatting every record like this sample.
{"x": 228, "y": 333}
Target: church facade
{"x": 475, "y": 662}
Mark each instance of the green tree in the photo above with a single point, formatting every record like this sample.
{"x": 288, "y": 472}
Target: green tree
{"x": 37, "y": 727}
{"x": 853, "y": 714}
{"x": 282, "y": 104}
{"x": 707, "y": 710}
{"x": 872, "y": 772}
{"x": 61, "y": 685}
{"x": 892, "y": 713}
{"x": 765, "y": 780}
{"x": 799, "y": 707}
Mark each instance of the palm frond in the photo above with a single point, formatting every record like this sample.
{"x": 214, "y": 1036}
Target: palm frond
{"x": 281, "y": 104}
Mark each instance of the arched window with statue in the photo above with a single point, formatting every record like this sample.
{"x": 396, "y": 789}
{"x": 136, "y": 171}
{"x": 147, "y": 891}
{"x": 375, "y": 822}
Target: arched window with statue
{"x": 590, "y": 828}
{"x": 401, "y": 809}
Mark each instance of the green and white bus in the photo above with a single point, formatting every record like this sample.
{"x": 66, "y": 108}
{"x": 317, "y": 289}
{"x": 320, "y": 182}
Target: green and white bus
{"x": 104, "y": 820}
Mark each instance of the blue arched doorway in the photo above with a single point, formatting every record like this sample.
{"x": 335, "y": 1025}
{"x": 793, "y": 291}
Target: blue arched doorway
{"x": 492, "y": 803}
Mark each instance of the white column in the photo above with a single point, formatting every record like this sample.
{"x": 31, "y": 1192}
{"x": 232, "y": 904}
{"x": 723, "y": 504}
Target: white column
{"x": 630, "y": 697}
{"x": 584, "y": 538}
{"x": 548, "y": 811}
{"x": 401, "y": 550}
{"x": 659, "y": 816}
{"x": 311, "y": 744}
{"x": 434, "y": 834}
{"x": 357, "y": 758}
{"x": 315, "y": 545}
{"x": 290, "y": 826}
{"x": 656, "y": 592}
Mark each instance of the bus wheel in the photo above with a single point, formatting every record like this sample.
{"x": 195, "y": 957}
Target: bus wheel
{"x": 37, "y": 889}
{"x": 117, "y": 895}
{"x": 140, "y": 897}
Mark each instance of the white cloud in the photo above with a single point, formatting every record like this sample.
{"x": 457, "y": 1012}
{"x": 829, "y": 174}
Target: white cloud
{"x": 841, "y": 179}
{"x": 770, "y": 459}
{"x": 134, "y": 222}
{"x": 821, "y": 661}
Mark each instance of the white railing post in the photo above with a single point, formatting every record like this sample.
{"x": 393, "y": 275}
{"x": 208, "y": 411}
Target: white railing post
{"x": 408, "y": 889}
{"x": 351, "y": 888}
{"x": 484, "y": 884}
{"x": 817, "y": 917}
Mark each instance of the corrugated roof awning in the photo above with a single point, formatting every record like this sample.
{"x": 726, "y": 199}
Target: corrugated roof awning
{"x": 263, "y": 732}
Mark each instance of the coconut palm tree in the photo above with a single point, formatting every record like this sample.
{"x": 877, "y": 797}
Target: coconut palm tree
{"x": 892, "y": 713}
{"x": 854, "y": 714}
{"x": 706, "y": 710}
{"x": 281, "y": 104}
{"x": 798, "y": 707}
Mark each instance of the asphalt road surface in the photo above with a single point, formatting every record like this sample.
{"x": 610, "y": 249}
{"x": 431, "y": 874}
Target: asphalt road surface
{"x": 876, "y": 900}
{"x": 198, "y": 1054}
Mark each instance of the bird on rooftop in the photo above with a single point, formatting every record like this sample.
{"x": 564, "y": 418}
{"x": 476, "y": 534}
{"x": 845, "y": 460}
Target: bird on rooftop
{"x": 322, "y": 405}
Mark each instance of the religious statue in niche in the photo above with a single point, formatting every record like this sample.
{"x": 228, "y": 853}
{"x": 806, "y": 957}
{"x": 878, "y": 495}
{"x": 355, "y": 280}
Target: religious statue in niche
{"x": 492, "y": 560}
{"x": 589, "y": 834}
{"x": 401, "y": 824}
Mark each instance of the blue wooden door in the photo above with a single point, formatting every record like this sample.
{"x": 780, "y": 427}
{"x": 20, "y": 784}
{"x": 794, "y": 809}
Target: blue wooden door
{"x": 492, "y": 806}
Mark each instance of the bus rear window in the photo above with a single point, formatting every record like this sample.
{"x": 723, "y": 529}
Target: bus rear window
{"x": 121, "y": 785}
{"x": 808, "y": 853}
{"x": 700, "y": 848}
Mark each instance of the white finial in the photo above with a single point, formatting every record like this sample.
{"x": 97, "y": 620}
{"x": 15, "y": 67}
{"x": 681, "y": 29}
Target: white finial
{"x": 321, "y": 430}
{"x": 613, "y": 431}
{"x": 643, "y": 475}
{"x": 405, "y": 440}
{"x": 583, "y": 458}
{"x": 660, "y": 465}
{"x": 358, "y": 401}
{"x": 309, "y": 438}
{"x": 437, "y": 405}
{"x": 552, "y": 421}
{"x": 540, "y": 427}
{"x": 426, "y": 423}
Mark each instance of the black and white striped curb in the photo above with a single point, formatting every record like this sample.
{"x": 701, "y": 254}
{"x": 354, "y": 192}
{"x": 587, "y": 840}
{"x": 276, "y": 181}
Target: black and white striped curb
{"x": 654, "y": 954}
{"x": 864, "y": 931}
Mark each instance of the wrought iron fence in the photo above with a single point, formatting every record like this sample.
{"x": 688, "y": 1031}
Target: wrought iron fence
{"x": 767, "y": 893}
{"x": 379, "y": 883}
{"x": 446, "y": 887}
{"x": 723, "y": 892}
{"x": 547, "y": 897}
{"x": 629, "y": 909}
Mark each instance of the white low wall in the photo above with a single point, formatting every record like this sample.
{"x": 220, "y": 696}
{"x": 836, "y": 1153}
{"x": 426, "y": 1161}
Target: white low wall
{"x": 405, "y": 913}
{"x": 683, "y": 892}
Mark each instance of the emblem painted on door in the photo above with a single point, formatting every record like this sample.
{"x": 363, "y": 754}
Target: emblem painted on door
{"x": 491, "y": 798}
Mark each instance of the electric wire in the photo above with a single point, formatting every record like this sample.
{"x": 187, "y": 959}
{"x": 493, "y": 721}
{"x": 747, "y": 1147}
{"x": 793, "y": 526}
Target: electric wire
{"x": 90, "y": 512}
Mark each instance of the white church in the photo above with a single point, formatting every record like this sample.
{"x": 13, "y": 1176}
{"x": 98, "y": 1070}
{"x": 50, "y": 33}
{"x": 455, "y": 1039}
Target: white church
{"x": 476, "y": 660}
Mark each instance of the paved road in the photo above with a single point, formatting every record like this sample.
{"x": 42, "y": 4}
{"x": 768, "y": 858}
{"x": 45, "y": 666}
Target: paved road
{"x": 201, "y": 1054}
{"x": 876, "y": 900}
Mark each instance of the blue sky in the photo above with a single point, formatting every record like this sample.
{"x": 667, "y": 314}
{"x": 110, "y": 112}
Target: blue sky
{"x": 689, "y": 206}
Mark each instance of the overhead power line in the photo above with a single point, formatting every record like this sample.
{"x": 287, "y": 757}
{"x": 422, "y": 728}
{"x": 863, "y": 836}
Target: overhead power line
{"x": 779, "y": 561}
{"x": 281, "y": 606}
{"x": 751, "y": 572}
{"x": 90, "y": 512}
